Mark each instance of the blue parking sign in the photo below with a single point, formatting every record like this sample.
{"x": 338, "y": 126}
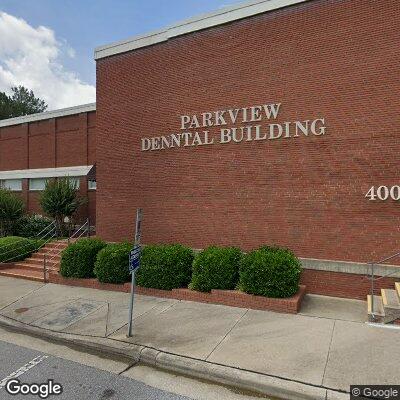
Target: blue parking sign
{"x": 134, "y": 258}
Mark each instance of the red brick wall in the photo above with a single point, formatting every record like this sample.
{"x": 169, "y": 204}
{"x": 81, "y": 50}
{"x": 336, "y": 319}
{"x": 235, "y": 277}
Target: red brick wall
{"x": 337, "y": 284}
{"x": 336, "y": 59}
{"x": 58, "y": 142}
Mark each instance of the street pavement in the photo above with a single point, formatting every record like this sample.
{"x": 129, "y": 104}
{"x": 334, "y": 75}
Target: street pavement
{"x": 91, "y": 375}
{"x": 78, "y": 381}
{"x": 327, "y": 345}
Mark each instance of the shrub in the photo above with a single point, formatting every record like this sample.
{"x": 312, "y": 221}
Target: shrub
{"x": 271, "y": 272}
{"x": 112, "y": 263}
{"x": 14, "y": 248}
{"x": 77, "y": 260}
{"x": 11, "y": 210}
{"x": 32, "y": 225}
{"x": 165, "y": 266}
{"x": 216, "y": 268}
{"x": 60, "y": 199}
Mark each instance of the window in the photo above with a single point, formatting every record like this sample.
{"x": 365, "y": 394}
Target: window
{"x": 12, "y": 184}
{"x": 92, "y": 185}
{"x": 37, "y": 183}
{"x": 74, "y": 180}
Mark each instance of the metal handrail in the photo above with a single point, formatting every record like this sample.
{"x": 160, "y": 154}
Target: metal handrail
{"x": 37, "y": 237}
{"x": 46, "y": 260}
{"x": 373, "y": 278}
{"x": 30, "y": 251}
{"x": 33, "y": 237}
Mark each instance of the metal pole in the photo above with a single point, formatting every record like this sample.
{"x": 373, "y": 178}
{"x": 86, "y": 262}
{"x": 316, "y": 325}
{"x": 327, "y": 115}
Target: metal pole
{"x": 131, "y": 304}
{"x": 137, "y": 242}
{"x": 88, "y": 227}
{"x": 372, "y": 294}
{"x": 44, "y": 268}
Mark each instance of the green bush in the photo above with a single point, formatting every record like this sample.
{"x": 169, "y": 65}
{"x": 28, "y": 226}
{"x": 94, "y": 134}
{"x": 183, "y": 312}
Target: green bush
{"x": 112, "y": 263}
{"x": 14, "y": 248}
{"x": 271, "y": 272}
{"x": 11, "y": 210}
{"x": 59, "y": 199}
{"x": 165, "y": 266}
{"x": 77, "y": 260}
{"x": 216, "y": 268}
{"x": 32, "y": 225}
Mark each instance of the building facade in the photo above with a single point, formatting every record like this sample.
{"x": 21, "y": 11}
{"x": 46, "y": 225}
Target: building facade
{"x": 272, "y": 122}
{"x": 48, "y": 145}
{"x": 317, "y": 85}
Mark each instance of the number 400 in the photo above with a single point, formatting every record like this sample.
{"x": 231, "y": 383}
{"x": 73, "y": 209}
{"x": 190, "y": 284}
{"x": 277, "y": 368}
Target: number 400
{"x": 384, "y": 192}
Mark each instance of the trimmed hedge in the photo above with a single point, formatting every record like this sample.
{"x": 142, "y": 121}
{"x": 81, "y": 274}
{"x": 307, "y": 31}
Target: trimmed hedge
{"x": 216, "y": 268}
{"x": 15, "y": 248}
{"x": 271, "y": 272}
{"x": 77, "y": 260}
{"x": 165, "y": 266}
{"x": 112, "y": 263}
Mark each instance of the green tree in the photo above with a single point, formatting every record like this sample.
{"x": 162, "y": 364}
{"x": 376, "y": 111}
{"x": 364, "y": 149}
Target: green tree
{"x": 21, "y": 102}
{"x": 11, "y": 210}
{"x": 5, "y": 106}
{"x": 60, "y": 199}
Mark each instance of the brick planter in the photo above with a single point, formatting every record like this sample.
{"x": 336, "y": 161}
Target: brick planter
{"x": 232, "y": 298}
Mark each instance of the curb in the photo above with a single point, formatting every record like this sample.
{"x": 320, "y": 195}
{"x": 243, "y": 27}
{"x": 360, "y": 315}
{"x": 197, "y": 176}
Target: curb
{"x": 247, "y": 380}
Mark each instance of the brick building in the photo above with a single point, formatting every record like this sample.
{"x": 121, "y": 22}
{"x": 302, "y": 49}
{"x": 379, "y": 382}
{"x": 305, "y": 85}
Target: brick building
{"x": 48, "y": 145}
{"x": 270, "y": 122}
{"x": 331, "y": 62}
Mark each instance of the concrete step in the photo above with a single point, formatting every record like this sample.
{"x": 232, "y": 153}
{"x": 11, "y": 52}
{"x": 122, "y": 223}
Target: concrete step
{"x": 390, "y": 299}
{"x": 379, "y": 310}
{"x": 22, "y": 273}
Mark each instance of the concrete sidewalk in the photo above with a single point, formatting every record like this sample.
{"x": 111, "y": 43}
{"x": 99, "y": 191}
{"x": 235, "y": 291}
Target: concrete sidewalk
{"x": 327, "y": 346}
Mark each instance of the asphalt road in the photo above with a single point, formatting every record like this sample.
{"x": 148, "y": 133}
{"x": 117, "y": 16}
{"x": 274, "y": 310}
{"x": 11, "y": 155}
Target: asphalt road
{"x": 79, "y": 381}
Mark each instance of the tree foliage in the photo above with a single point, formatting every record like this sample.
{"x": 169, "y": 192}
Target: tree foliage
{"x": 11, "y": 210}
{"x": 22, "y": 101}
{"x": 60, "y": 199}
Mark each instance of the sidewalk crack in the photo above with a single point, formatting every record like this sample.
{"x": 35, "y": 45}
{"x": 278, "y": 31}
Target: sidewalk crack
{"x": 107, "y": 318}
{"x": 227, "y": 333}
{"x": 329, "y": 352}
{"x": 22, "y": 297}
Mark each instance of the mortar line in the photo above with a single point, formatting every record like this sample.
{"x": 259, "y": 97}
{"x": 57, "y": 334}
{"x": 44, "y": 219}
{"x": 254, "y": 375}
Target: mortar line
{"x": 329, "y": 351}
{"x": 227, "y": 333}
{"x": 25, "y": 295}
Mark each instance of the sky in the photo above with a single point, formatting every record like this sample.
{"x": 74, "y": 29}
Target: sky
{"x": 48, "y": 45}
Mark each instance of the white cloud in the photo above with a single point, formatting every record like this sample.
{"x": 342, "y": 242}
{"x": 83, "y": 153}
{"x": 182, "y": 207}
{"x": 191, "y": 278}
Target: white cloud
{"x": 32, "y": 57}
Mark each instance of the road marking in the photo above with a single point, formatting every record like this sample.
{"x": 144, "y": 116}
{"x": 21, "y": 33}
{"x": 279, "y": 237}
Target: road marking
{"x": 22, "y": 370}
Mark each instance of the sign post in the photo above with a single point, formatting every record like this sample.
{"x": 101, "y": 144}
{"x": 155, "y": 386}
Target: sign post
{"x": 134, "y": 264}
